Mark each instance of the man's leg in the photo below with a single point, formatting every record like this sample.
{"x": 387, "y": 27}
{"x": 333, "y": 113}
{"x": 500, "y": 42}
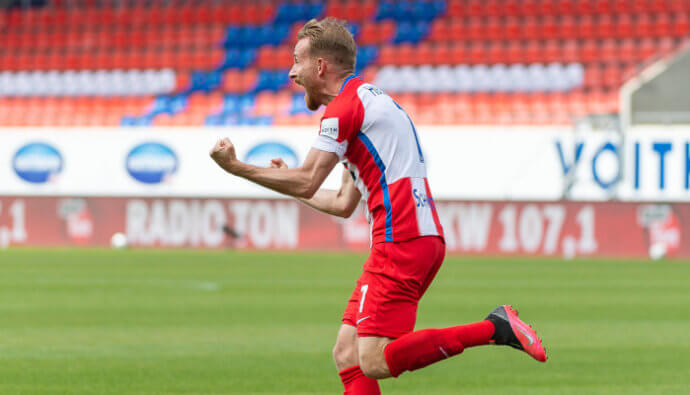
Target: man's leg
{"x": 345, "y": 355}
{"x": 345, "y": 352}
{"x": 382, "y": 357}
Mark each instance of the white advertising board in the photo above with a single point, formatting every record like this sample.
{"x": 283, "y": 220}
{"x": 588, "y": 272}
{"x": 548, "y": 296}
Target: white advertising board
{"x": 478, "y": 163}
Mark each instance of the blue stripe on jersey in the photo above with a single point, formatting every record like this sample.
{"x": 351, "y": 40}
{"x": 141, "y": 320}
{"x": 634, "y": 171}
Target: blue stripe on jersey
{"x": 384, "y": 184}
{"x": 345, "y": 82}
{"x": 414, "y": 131}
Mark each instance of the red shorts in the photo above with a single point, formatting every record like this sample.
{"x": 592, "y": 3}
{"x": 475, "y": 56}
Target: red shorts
{"x": 396, "y": 275}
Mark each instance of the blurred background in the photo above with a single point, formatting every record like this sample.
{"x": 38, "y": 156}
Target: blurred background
{"x": 556, "y": 135}
{"x": 551, "y": 127}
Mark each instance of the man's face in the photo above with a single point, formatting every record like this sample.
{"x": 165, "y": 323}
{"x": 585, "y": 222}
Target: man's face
{"x": 305, "y": 73}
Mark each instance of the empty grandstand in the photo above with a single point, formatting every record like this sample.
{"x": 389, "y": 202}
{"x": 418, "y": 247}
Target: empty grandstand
{"x": 194, "y": 62}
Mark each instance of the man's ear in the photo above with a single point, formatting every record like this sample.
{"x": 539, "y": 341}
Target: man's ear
{"x": 320, "y": 66}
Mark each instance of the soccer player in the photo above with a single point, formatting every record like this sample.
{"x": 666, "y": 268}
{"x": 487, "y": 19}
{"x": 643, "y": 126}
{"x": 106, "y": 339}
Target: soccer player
{"x": 380, "y": 150}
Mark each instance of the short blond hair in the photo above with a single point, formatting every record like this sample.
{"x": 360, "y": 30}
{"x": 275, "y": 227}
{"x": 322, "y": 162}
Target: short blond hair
{"x": 329, "y": 37}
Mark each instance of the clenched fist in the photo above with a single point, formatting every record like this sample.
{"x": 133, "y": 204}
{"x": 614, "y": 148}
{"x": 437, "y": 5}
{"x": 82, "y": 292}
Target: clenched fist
{"x": 278, "y": 163}
{"x": 224, "y": 154}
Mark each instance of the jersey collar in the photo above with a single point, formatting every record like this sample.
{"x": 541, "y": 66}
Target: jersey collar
{"x": 346, "y": 81}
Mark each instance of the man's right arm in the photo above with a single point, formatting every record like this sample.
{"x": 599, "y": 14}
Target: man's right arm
{"x": 341, "y": 203}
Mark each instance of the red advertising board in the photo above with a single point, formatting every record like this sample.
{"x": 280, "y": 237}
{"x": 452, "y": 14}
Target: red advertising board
{"x": 492, "y": 228}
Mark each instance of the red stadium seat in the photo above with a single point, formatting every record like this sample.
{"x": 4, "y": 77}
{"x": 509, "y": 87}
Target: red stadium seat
{"x": 266, "y": 58}
{"x": 386, "y": 31}
{"x": 406, "y": 54}
{"x": 585, "y": 7}
{"x": 474, "y": 29}
{"x": 510, "y": 7}
{"x": 679, "y": 6}
{"x": 456, "y": 8}
{"x": 605, "y": 27}
{"x": 622, "y": 6}
{"x": 603, "y": 7}
{"x": 493, "y": 8}
{"x": 612, "y": 76}
{"x": 530, "y": 28}
{"x": 567, "y": 7}
{"x": 459, "y": 54}
{"x": 495, "y": 53}
{"x": 586, "y": 27}
{"x": 570, "y": 52}
{"x": 548, "y": 7}
{"x": 681, "y": 25}
{"x": 593, "y": 77}
{"x": 662, "y": 25}
{"x": 641, "y": 6}
{"x": 627, "y": 51}
{"x": 551, "y": 52}
{"x": 515, "y": 52}
{"x": 474, "y": 8}
{"x": 494, "y": 30}
{"x": 589, "y": 51}
{"x": 423, "y": 54}
{"x": 609, "y": 51}
{"x": 387, "y": 55}
{"x": 477, "y": 53}
{"x": 458, "y": 31}
{"x": 512, "y": 28}
{"x": 529, "y": 7}
{"x": 369, "y": 34}
{"x": 439, "y": 32}
{"x": 625, "y": 27}
{"x": 533, "y": 52}
{"x": 549, "y": 27}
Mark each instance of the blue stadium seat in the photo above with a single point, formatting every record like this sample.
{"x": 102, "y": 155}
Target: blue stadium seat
{"x": 299, "y": 106}
{"x": 144, "y": 120}
{"x": 280, "y": 33}
{"x": 354, "y": 28}
{"x": 128, "y": 121}
{"x": 232, "y": 36}
{"x": 231, "y": 104}
{"x": 411, "y": 32}
{"x": 214, "y": 120}
{"x": 386, "y": 10}
{"x": 271, "y": 80}
{"x": 160, "y": 105}
{"x": 365, "y": 56}
{"x": 237, "y": 59}
{"x": 403, "y": 11}
{"x": 423, "y": 11}
{"x": 299, "y": 11}
{"x": 230, "y": 119}
{"x": 178, "y": 104}
{"x": 246, "y": 104}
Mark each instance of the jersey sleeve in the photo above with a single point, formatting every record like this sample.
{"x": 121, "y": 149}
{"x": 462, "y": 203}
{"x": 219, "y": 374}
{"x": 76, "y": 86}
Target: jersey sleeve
{"x": 339, "y": 125}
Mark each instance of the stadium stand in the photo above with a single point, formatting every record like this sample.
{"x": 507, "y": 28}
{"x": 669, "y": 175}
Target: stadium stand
{"x": 194, "y": 62}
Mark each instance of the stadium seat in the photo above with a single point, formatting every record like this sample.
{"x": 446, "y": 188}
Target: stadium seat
{"x": 496, "y": 53}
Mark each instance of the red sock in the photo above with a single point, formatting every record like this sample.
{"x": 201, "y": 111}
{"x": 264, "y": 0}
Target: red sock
{"x": 422, "y": 348}
{"x": 356, "y": 383}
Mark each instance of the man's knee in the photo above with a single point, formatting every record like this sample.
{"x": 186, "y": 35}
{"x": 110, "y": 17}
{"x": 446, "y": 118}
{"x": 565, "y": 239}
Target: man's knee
{"x": 372, "y": 360}
{"x": 345, "y": 349}
{"x": 345, "y": 354}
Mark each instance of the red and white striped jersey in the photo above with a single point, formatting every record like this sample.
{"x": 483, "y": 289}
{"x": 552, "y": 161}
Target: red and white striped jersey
{"x": 378, "y": 143}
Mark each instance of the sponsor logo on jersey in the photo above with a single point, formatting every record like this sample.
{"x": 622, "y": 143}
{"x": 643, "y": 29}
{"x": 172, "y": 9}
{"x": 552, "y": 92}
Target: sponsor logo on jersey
{"x": 151, "y": 163}
{"x": 261, "y": 154}
{"x": 329, "y": 128}
{"x": 37, "y": 163}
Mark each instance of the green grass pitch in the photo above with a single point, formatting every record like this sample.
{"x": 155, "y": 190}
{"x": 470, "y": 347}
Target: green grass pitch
{"x": 173, "y": 322}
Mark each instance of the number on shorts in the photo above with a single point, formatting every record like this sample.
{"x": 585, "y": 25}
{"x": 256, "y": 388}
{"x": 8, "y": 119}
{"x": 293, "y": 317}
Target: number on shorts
{"x": 364, "y": 290}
